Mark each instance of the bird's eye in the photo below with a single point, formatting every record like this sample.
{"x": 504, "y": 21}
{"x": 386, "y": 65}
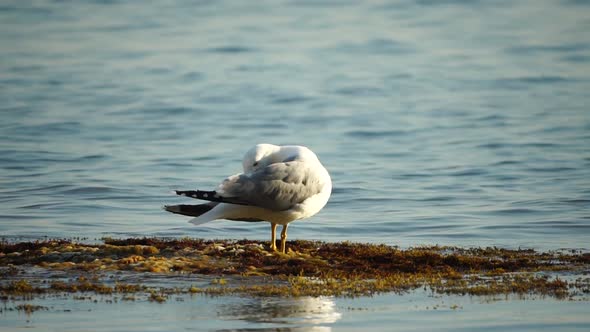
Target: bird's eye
{"x": 255, "y": 164}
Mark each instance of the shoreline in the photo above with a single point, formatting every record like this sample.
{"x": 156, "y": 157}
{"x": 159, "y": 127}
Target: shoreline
{"x": 147, "y": 283}
{"x": 310, "y": 268}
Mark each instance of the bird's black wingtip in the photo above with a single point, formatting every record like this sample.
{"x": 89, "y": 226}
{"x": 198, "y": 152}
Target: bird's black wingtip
{"x": 171, "y": 208}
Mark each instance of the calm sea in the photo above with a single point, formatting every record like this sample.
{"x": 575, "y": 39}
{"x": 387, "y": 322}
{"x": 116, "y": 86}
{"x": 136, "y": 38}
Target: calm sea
{"x": 442, "y": 122}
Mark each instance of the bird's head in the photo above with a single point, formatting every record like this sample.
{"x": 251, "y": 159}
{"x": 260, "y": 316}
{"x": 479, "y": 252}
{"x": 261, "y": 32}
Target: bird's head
{"x": 263, "y": 155}
{"x": 259, "y": 156}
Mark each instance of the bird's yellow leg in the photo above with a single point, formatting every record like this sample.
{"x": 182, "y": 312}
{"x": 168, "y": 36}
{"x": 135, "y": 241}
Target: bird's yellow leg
{"x": 273, "y": 237}
{"x": 284, "y": 238}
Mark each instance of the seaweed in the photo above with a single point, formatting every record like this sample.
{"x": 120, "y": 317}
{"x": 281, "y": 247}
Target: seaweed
{"x": 310, "y": 268}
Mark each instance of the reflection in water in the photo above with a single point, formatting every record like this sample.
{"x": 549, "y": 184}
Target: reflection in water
{"x": 282, "y": 329}
{"x": 297, "y": 311}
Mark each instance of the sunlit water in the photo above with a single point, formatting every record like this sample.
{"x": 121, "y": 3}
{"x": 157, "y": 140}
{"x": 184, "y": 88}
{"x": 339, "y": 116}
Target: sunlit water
{"x": 442, "y": 122}
{"x": 454, "y": 122}
{"x": 414, "y": 312}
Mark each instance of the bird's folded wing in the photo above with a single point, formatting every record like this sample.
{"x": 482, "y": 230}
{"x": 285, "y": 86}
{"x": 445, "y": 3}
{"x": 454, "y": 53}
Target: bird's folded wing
{"x": 277, "y": 187}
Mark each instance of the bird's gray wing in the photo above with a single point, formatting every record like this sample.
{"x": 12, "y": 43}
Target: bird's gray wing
{"x": 277, "y": 187}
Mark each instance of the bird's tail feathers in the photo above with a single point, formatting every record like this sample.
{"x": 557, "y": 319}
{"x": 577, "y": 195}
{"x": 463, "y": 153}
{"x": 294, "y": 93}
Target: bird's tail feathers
{"x": 189, "y": 210}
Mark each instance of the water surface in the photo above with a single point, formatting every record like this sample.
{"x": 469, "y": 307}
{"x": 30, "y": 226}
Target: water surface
{"x": 442, "y": 122}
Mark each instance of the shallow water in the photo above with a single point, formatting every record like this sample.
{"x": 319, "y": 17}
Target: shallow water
{"x": 459, "y": 123}
{"x": 435, "y": 130}
{"x": 442, "y": 122}
{"x": 416, "y": 312}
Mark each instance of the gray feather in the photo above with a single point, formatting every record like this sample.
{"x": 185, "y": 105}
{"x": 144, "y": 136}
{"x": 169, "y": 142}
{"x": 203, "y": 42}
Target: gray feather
{"x": 277, "y": 187}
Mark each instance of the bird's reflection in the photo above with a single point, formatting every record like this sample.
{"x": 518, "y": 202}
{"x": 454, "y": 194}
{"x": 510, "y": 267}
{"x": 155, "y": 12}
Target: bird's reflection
{"x": 304, "y": 312}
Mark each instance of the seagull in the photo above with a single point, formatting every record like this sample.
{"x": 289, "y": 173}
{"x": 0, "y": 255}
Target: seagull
{"x": 279, "y": 184}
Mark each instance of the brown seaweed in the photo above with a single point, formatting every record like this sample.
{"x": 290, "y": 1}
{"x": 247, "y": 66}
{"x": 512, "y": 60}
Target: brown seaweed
{"x": 310, "y": 268}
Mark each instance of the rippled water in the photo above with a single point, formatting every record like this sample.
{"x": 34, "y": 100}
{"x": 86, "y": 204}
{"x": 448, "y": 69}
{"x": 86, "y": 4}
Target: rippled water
{"x": 415, "y": 312}
{"x": 441, "y": 122}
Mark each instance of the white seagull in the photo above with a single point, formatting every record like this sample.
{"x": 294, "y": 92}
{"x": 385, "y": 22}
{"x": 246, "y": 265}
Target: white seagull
{"x": 279, "y": 184}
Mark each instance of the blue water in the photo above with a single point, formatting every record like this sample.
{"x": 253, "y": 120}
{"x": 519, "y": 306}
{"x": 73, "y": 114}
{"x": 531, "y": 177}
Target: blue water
{"x": 442, "y": 122}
